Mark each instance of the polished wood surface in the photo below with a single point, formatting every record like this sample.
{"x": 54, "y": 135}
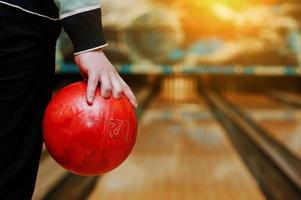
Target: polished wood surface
{"x": 282, "y": 122}
{"x": 50, "y": 173}
{"x": 181, "y": 153}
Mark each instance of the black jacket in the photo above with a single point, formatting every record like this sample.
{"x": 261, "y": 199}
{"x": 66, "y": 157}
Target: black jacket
{"x": 81, "y": 21}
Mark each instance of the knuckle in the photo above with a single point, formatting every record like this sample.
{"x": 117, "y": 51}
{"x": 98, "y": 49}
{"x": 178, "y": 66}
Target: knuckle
{"x": 93, "y": 76}
{"x": 91, "y": 73}
{"x": 94, "y": 80}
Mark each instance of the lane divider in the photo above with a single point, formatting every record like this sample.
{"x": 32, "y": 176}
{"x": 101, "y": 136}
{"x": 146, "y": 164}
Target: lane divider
{"x": 293, "y": 171}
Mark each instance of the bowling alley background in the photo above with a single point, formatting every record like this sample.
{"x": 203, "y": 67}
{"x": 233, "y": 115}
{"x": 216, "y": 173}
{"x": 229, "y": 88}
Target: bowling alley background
{"x": 219, "y": 92}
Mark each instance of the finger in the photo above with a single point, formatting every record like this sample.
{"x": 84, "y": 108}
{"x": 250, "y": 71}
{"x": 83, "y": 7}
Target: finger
{"x": 92, "y": 84}
{"x": 106, "y": 86}
{"x": 128, "y": 93}
{"x": 116, "y": 86}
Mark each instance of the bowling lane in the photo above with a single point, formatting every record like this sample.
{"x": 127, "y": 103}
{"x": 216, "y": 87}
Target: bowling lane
{"x": 49, "y": 174}
{"x": 181, "y": 153}
{"x": 289, "y": 97}
{"x": 281, "y": 122}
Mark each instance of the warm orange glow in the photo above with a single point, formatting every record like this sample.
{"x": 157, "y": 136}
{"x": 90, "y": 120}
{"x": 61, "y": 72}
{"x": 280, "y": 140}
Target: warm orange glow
{"x": 230, "y": 2}
{"x": 223, "y": 11}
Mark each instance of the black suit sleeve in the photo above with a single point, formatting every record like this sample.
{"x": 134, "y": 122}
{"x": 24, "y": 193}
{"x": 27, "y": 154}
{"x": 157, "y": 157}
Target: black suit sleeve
{"x": 85, "y": 30}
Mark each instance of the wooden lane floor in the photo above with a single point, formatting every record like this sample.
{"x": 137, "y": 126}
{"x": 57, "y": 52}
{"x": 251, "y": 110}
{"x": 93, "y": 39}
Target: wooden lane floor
{"x": 281, "y": 122}
{"x": 181, "y": 153}
{"x": 288, "y": 97}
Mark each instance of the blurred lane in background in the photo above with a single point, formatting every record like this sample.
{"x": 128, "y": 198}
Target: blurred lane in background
{"x": 182, "y": 153}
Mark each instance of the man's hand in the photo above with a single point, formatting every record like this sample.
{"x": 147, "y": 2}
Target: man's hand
{"x": 97, "y": 68}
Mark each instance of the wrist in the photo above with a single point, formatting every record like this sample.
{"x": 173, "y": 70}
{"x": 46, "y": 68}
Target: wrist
{"x": 98, "y": 48}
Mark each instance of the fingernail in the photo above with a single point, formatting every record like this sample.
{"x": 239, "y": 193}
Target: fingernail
{"x": 90, "y": 100}
{"x": 105, "y": 96}
{"x": 134, "y": 103}
{"x": 117, "y": 96}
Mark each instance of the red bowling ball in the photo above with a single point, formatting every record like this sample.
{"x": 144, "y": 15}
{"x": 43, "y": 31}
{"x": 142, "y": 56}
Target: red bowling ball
{"x": 88, "y": 139}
